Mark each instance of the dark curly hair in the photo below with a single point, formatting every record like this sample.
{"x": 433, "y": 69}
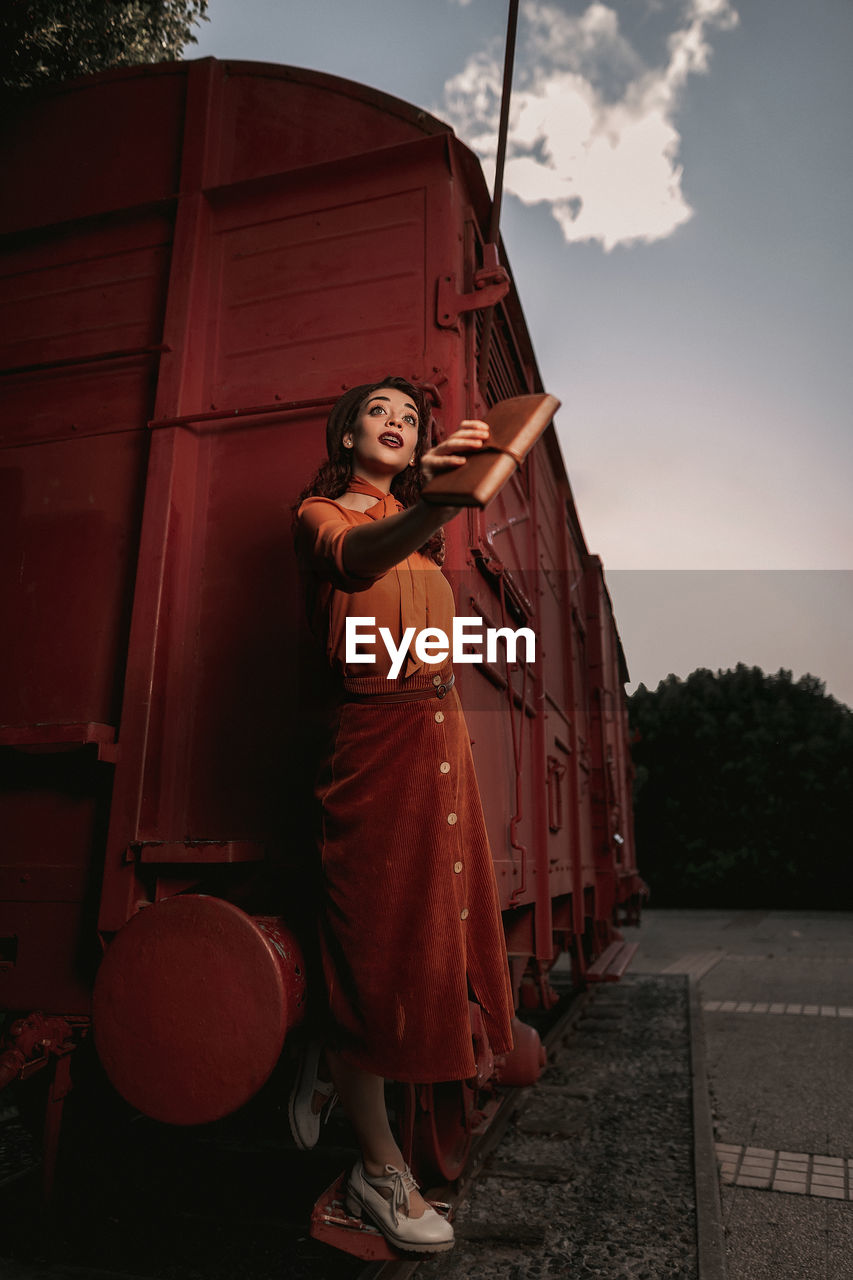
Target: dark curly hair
{"x": 333, "y": 476}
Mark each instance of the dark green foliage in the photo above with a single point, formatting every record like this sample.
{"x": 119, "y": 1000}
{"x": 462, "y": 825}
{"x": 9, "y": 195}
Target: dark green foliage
{"x": 743, "y": 791}
{"x": 49, "y": 40}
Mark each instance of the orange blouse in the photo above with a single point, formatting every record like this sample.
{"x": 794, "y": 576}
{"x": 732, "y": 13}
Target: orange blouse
{"x": 414, "y": 593}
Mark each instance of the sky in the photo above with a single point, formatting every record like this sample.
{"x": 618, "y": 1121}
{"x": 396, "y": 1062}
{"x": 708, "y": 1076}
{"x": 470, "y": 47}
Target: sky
{"x": 677, "y": 216}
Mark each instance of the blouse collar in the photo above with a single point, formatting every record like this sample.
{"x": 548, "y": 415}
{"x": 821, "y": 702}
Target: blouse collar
{"x": 386, "y": 503}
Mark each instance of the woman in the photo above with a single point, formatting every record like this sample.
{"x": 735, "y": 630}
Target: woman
{"x": 410, "y": 926}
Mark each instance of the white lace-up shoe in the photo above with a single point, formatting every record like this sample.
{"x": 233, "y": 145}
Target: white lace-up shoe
{"x": 428, "y": 1234}
{"x": 305, "y": 1122}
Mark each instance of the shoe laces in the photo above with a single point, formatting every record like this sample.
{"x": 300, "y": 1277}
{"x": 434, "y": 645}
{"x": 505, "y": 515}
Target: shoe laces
{"x": 401, "y": 1183}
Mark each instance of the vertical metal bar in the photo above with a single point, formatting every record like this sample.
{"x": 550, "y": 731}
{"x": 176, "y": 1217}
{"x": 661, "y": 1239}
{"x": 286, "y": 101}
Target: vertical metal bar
{"x": 58, "y": 1090}
{"x": 509, "y": 59}
{"x": 497, "y": 197}
{"x": 151, "y": 783}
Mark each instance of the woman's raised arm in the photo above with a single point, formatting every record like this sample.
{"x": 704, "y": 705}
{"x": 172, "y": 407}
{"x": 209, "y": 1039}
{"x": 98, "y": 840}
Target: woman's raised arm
{"x": 374, "y": 548}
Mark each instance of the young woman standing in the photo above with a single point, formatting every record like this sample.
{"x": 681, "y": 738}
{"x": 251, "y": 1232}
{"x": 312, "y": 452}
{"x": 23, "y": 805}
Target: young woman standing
{"x": 410, "y": 927}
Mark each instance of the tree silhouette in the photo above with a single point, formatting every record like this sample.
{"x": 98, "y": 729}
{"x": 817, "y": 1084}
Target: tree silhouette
{"x": 743, "y": 791}
{"x": 50, "y": 40}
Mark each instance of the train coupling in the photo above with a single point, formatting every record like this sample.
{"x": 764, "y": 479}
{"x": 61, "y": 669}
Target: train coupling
{"x": 31, "y": 1041}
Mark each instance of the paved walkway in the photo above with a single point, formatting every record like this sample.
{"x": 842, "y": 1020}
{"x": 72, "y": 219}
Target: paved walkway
{"x": 776, "y": 991}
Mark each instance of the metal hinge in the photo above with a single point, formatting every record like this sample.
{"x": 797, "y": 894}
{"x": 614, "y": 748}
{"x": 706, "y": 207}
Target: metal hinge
{"x": 491, "y": 284}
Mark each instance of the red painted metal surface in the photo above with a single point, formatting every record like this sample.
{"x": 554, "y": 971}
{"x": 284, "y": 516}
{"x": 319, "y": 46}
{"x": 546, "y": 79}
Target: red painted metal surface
{"x": 439, "y": 1121}
{"x": 29, "y": 1043}
{"x": 192, "y": 1005}
{"x": 242, "y": 242}
{"x": 620, "y": 891}
{"x": 524, "y": 1065}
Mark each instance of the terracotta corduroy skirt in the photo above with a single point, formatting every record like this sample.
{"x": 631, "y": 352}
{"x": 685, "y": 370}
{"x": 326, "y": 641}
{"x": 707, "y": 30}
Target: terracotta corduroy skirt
{"x": 411, "y": 918}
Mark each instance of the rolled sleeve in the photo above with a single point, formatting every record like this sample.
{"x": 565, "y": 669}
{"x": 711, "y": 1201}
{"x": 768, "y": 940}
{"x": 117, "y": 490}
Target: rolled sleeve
{"x": 321, "y": 529}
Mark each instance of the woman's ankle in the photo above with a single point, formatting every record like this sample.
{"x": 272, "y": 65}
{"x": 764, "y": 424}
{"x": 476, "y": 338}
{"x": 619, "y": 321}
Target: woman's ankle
{"x": 375, "y": 1166}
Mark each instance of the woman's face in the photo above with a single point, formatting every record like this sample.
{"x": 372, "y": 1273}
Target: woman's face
{"x": 385, "y": 434}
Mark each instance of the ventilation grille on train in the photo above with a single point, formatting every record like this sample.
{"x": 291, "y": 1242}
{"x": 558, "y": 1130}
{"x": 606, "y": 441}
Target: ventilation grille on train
{"x": 506, "y": 376}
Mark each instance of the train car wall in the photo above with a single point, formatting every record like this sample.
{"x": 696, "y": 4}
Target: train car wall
{"x": 198, "y": 259}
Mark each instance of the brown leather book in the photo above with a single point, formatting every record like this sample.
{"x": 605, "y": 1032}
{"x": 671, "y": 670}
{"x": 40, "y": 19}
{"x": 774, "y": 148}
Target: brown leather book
{"x": 515, "y": 426}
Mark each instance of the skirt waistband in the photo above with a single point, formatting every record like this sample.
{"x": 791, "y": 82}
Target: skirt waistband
{"x": 378, "y": 691}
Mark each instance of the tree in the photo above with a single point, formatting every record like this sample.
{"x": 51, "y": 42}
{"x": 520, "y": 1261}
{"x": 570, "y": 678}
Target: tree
{"x": 743, "y": 791}
{"x": 49, "y": 40}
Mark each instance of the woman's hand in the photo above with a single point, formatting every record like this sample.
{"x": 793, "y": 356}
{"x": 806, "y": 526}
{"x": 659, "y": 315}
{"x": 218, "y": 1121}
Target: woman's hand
{"x": 453, "y": 452}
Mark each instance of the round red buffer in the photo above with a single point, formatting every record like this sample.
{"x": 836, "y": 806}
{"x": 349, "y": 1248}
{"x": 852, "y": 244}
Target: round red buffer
{"x": 192, "y": 1004}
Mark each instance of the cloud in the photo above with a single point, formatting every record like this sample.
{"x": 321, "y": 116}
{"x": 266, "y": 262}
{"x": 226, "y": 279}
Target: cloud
{"x": 593, "y": 128}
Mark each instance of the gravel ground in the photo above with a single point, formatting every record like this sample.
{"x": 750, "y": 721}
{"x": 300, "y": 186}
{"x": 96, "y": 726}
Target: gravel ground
{"x": 18, "y": 1153}
{"x": 595, "y": 1176}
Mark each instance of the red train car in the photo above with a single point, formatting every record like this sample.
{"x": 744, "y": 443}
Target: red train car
{"x": 197, "y": 259}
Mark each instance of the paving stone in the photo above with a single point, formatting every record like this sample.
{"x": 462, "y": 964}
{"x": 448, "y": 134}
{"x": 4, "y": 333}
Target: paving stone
{"x": 781, "y": 1081}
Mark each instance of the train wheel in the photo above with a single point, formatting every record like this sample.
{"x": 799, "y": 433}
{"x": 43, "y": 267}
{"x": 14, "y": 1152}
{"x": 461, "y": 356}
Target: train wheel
{"x": 437, "y": 1121}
